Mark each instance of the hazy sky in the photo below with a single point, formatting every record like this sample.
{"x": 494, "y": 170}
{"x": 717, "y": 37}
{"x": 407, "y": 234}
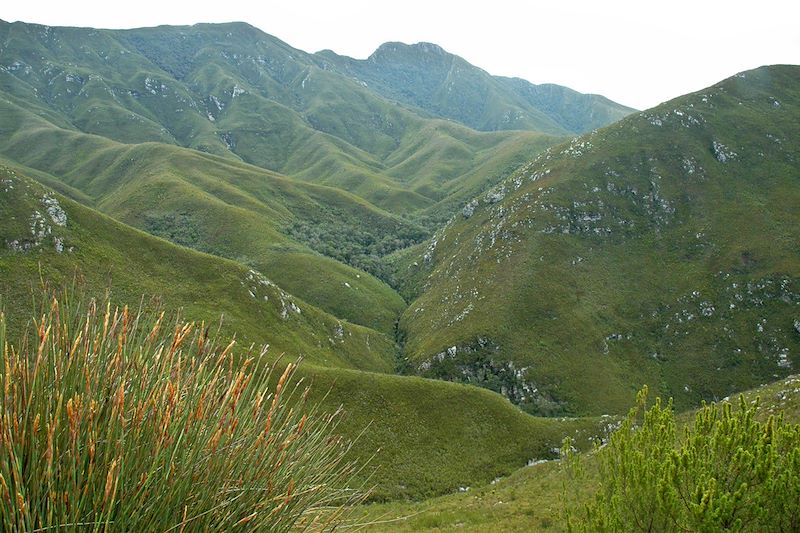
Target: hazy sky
{"x": 637, "y": 52}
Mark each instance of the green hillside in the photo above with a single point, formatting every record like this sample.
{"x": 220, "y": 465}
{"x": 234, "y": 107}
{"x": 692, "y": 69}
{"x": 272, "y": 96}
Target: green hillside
{"x": 217, "y": 206}
{"x": 445, "y": 85}
{"x": 659, "y": 250}
{"x": 418, "y": 425}
{"x": 48, "y": 237}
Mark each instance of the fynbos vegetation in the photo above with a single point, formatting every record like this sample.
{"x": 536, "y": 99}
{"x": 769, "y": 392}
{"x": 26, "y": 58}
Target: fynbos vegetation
{"x": 112, "y": 420}
{"x": 727, "y": 472}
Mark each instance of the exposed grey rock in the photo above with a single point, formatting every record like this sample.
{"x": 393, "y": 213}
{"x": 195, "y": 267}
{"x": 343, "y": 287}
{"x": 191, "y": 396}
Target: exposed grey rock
{"x": 469, "y": 209}
{"x": 783, "y": 359}
{"x": 492, "y": 197}
{"x": 722, "y": 152}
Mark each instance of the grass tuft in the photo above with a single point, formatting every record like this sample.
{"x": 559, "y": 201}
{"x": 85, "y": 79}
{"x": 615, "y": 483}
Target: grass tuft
{"x": 115, "y": 420}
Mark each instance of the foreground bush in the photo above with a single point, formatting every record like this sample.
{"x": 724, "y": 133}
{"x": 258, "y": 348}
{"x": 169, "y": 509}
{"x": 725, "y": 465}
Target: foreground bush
{"x": 112, "y": 421}
{"x": 728, "y": 472}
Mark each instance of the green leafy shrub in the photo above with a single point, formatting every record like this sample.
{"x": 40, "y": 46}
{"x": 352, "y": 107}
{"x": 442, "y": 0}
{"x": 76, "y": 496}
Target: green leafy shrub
{"x": 111, "y": 420}
{"x": 728, "y": 472}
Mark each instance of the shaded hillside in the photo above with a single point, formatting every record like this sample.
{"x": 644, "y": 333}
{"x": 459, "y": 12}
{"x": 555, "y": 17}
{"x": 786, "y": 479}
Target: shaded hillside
{"x": 445, "y": 85}
{"x": 659, "y": 250}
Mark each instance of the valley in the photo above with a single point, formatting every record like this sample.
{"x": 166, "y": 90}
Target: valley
{"x": 471, "y": 267}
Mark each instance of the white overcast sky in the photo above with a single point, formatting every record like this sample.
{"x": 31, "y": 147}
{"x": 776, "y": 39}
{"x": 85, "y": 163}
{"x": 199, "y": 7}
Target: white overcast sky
{"x": 637, "y": 52}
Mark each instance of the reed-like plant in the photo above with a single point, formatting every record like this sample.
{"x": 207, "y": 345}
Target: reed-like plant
{"x": 118, "y": 421}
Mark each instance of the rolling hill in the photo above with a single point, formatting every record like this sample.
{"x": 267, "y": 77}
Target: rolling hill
{"x": 48, "y": 237}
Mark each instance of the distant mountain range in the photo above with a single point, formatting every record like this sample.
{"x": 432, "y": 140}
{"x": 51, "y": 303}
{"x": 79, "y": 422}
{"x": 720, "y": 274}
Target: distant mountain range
{"x": 234, "y": 91}
{"x": 426, "y": 76}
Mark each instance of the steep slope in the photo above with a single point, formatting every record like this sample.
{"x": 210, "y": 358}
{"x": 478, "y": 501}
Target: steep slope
{"x": 659, "y": 250}
{"x": 445, "y": 85}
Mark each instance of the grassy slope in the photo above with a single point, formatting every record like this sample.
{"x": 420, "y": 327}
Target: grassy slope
{"x": 418, "y": 425}
{"x": 534, "y": 498}
{"x": 430, "y": 437}
{"x": 640, "y": 251}
{"x": 105, "y": 253}
{"x": 215, "y": 205}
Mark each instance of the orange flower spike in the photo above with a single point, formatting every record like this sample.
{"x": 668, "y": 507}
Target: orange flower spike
{"x": 110, "y": 480}
{"x": 4, "y": 487}
{"x": 156, "y": 328}
{"x": 246, "y": 519}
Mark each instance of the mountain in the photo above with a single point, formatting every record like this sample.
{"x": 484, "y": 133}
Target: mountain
{"x": 308, "y": 198}
{"x": 173, "y": 129}
{"x": 445, "y": 85}
{"x": 659, "y": 250}
{"x": 234, "y": 91}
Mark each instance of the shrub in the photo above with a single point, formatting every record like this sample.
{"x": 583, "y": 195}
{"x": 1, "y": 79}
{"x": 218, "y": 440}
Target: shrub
{"x": 728, "y": 472}
{"x": 117, "y": 421}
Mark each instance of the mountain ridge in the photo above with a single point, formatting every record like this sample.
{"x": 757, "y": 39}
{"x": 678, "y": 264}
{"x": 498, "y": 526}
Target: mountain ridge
{"x": 237, "y": 92}
{"x": 425, "y": 75}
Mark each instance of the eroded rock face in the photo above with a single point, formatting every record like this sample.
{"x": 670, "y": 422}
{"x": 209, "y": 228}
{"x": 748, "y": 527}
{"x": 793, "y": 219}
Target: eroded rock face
{"x": 39, "y": 229}
{"x": 722, "y": 152}
{"x": 258, "y": 285}
{"x": 54, "y": 210}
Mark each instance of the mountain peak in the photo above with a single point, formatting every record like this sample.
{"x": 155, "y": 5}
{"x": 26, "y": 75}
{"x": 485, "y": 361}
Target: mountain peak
{"x": 395, "y": 50}
{"x": 429, "y": 48}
